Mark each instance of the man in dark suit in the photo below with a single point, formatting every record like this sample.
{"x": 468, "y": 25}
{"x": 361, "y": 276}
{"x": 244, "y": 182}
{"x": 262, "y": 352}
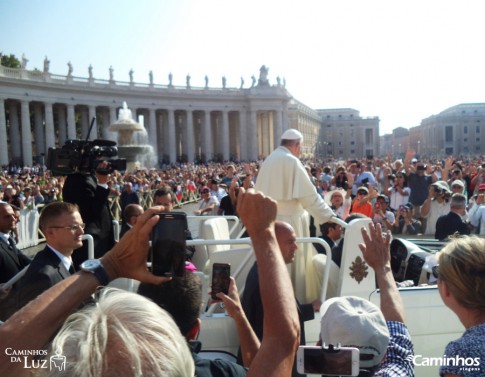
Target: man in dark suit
{"x": 130, "y": 214}
{"x": 63, "y": 228}
{"x": 452, "y": 223}
{"x": 12, "y": 260}
{"x": 90, "y": 192}
{"x": 251, "y": 300}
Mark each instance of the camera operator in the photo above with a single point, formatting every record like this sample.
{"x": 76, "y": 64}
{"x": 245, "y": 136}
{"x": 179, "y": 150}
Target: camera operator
{"x": 437, "y": 204}
{"x": 90, "y": 192}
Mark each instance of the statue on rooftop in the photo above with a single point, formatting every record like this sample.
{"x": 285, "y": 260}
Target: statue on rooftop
{"x": 224, "y": 82}
{"x": 242, "y": 83}
{"x": 90, "y": 71}
{"x": 150, "y": 76}
{"x": 253, "y": 81}
{"x": 111, "y": 75}
{"x": 170, "y": 77}
{"x": 131, "y": 75}
{"x": 69, "y": 69}
{"x": 24, "y": 61}
{"x": 46, "y": 65}
{"x": 206, "y": 82}
{"x": 263, "y": 76}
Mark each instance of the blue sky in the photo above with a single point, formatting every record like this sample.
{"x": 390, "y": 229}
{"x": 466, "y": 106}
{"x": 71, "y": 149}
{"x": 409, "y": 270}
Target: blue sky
{"x": 401, "y": 61}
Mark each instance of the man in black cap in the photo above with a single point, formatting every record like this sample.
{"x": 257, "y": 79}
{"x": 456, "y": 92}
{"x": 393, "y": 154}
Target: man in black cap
{"x": 216, "y": 190}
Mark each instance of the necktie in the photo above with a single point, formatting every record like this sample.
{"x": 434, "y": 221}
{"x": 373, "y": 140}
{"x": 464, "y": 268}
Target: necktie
{"x": 11, "y": 242}
{"x": 72, "y": 270}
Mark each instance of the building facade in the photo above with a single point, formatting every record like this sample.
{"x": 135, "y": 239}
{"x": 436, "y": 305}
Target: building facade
{"x": 40, "y": 110}
{"x": 345, "y": 134}
{"x": 458, "y": 130}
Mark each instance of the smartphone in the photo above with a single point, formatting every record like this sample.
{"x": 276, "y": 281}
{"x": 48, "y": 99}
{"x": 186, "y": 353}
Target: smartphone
{"x": 221, "y": 274}
{"x": 168, "y": 244}
{"x": 377, "y": 206}
{"x": 402, "y": 208}
{"x": 343, "y": 361}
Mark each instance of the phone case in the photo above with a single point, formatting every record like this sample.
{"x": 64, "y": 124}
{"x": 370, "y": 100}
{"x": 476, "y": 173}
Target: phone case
{"x": 221, "y": 274}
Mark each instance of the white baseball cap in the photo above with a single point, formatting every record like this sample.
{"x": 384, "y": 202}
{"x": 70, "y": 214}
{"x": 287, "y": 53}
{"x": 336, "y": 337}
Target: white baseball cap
{"x": 354, "y": 322}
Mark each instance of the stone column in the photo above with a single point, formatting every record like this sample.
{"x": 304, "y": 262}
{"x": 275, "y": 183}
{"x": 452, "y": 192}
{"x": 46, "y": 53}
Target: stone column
{"x": 3, "y": 134}
{"x": 278, "y": 126}
{"x": 26, "y": 134}
{"x": 243, "y": 135}
{"x": 208, "y": 136}
{"x": 61, "y": 114}
{"x": 253, "y": 136}
{"x": 225, "y": 135}
{"x": 92, "y": 114}
{"x": 152, "y": 130}
{"x": 84, "y": 120}
{"x": 172, "y": 151}
{"x": 190, "y": 136}
{"x": 286, "y": 120}
{"x": 71, "y": 122}
{"x": 50, "y": 136}
{"x": 39, "y": 131}
{"x": 15, "y": 147}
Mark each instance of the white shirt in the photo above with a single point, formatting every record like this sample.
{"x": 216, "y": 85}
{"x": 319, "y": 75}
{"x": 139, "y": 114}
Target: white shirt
{"x": 66, "y": 261}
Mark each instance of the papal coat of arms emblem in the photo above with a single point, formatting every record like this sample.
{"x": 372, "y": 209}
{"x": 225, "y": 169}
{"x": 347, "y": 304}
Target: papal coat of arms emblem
{"x": 358, "y": 269}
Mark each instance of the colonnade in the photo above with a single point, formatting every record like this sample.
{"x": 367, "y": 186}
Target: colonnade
{"x": 180, "y": 132}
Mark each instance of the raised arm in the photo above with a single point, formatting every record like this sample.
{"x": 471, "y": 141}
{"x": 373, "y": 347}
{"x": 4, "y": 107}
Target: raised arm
{"x": 376, "y": 252}
{"x": 249, "y": 341}
{"x": 281, "y": 326}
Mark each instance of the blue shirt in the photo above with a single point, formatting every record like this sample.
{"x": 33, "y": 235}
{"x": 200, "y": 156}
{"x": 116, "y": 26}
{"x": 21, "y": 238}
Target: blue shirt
{"x": 398, "y": 361}
{"x": 468, "y": 350}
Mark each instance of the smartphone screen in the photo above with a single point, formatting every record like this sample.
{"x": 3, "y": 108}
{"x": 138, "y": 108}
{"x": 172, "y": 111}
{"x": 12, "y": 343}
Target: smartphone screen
{"x": 168, "y": 244}
{"x": 221, "y": 273}
{"x": 342, "y": 362}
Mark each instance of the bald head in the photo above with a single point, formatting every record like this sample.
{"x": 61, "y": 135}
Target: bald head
{"x": 286, "y": 237}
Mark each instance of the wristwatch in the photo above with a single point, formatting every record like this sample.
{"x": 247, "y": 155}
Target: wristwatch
{"x": 94, "y": 266}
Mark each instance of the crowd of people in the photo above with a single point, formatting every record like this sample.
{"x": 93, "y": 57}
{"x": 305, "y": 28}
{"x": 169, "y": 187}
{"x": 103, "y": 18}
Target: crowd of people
{"x": 291, "y": 198}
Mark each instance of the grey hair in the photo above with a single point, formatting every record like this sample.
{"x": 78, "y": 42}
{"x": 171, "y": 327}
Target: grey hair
{"x": 124, "y": 334}
{"x": 458, "y": 201}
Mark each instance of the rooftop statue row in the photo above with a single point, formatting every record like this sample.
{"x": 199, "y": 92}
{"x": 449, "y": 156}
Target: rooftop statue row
{"x": 262, "y": 81}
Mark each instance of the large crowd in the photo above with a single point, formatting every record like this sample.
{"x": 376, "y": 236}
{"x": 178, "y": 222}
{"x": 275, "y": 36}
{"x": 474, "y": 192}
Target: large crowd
{"x": 438, "y": 198}
{"x": 395, "y": 190}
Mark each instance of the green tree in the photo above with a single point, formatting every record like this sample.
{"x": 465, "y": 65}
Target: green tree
{"x": 10, "y": 61}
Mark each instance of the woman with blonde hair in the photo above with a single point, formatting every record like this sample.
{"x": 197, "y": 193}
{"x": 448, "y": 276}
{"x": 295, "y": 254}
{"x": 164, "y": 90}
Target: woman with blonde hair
{"x": 461, "y": 283}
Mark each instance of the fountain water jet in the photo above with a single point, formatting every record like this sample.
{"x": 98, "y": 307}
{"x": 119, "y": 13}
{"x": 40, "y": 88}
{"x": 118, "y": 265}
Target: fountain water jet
{"x": 125, "y": 126}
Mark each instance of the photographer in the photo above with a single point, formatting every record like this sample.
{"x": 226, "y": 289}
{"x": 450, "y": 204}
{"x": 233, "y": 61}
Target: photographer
{"x": 437, "y": 204}
{"x": 90, "y": 192}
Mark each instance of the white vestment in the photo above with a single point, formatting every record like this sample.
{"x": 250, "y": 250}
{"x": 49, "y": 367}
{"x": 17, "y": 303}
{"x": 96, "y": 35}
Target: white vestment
{"x": 283, "y": 178}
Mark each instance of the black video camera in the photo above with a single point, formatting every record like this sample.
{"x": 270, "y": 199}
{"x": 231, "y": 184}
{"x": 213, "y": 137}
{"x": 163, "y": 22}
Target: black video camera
{"x": 78, "y": 156}
{"x": 83, "y": 156}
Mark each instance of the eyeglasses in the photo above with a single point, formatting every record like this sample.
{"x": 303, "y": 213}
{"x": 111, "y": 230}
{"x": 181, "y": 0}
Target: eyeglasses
{"x": 72, "y": 228}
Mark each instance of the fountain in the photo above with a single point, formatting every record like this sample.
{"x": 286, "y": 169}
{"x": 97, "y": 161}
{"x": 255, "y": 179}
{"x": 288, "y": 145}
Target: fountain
{"x": 125, "y": 126}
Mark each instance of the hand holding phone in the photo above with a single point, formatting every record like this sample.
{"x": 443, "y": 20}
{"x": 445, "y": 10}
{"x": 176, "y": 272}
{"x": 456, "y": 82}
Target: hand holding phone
{"x": 343, "y": 361}
{"x": 168, "y": 244}
{"x": 221, "y": 278}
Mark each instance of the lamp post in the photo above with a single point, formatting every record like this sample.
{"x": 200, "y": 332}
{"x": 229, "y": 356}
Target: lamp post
{"x": 419, "y": 149}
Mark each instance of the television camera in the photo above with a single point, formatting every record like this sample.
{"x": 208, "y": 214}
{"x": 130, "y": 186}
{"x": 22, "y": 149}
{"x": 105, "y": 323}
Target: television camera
{"x": 83, "y": 156}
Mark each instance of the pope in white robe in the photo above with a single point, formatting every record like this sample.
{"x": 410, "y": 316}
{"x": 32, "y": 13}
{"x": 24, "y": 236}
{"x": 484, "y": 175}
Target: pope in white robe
{"x": 283, "y": 178}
